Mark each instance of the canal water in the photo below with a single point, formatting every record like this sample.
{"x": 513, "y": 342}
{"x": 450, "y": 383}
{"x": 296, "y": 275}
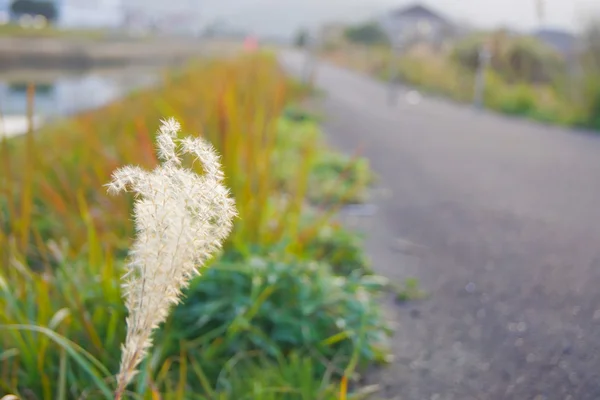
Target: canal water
{"x": 60, "y": 94}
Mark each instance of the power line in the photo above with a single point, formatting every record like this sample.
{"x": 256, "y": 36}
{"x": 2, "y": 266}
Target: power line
{"x": 540, "y": 6}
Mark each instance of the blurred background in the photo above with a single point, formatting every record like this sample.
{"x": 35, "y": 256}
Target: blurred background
{"x": 415, "y": 182}
{"x": 541, "y": 52}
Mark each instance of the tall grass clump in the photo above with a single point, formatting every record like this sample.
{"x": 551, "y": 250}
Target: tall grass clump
{"x": 65, "y": 246}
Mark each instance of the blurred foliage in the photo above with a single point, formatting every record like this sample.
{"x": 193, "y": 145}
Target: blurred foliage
{"x": 340, "y": 248}
{"x": 410, "y": 290}
{"x": 279, "y": 307}
{"x": 514, "y": 58}
{"x": 290, "y": 378}
{"x": 339, "y": 178}
{"x": 526, "y": 77}
{"x": 590, "y": 77}
{"x": 245, "y": 94}
{"x": 301, "y": 39}
{"x": 369, "y": 33}
{"x": 334, "y": 178}
{"x": 63, "y": 243}
{"x": 47, "y": 9}
{"x": 591, "y": 45}
{"x": 432, "y": 74}
{"x": 439, "y": 73}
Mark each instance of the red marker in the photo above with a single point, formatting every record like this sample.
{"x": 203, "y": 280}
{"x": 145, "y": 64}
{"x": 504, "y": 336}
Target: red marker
{"x": 250, "y": 43}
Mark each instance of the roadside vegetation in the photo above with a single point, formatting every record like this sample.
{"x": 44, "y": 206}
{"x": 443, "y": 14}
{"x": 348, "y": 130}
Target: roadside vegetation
{"x": 525, "y": 77}
{"x": 288, "y": 309}
{"x": 14, "y": 30}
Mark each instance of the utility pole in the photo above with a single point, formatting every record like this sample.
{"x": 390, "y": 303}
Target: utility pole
{"x": 395, "y": 53}
{"x": 540, "y": 8}
{"x": 310, "y": 65}
{"x": 485, "y": 57}
{"x": 399, "y": 41}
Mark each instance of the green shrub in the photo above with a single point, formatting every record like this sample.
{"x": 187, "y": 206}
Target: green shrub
{"x": 275, "y": 308}
{"x": 239, "y": 308}
{"x": 520, "y": 100}
{"x": 288, "y": 155}
{"x": 291, "y": 378}
{"x": 370, "y": 33}
{"x": 342, "y": 249}
{"x": 333, "y": 177}
{"x": 590, "y": 82}
{"x": 591, "y": 101}
{"x": 337, "y": 177}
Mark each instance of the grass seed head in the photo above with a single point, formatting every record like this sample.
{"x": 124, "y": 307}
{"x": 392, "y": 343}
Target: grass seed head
{"x": 181, "y": 220}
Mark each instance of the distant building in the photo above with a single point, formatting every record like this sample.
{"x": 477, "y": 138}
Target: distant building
{"x": 173, "y": 16}
{"x": 562, "y": 41}
{"x": 92, "y": 14}
{"x": 417, "y": 23}
{"x": 223, "y": 30}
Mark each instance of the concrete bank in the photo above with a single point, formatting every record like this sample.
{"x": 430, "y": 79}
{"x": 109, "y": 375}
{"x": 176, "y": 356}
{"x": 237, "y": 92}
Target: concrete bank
{"x": 81, "y": 53}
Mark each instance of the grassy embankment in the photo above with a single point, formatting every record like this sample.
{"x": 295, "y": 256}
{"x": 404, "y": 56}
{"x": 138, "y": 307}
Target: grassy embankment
{"x": 526, "y": 80}
{"x": 289, "y": 309}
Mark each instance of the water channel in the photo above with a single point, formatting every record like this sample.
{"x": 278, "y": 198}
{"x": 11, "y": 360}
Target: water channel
{"x": 62, "y": 93}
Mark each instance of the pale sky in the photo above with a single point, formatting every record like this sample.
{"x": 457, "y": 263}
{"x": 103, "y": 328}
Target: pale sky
{"x": 283, "y": 17}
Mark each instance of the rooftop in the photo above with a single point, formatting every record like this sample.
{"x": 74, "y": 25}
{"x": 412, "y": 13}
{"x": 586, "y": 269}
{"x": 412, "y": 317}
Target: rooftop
{"x": 417, "y": 11}
{"x": 563, "y": 41}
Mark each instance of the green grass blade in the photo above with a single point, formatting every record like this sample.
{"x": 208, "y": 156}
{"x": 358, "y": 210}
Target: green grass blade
{"x": 62, "y": 377}
{"x": 84, "y": 359}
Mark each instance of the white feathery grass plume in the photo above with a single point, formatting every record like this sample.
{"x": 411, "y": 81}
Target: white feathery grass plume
{"x": 181, "y": 220}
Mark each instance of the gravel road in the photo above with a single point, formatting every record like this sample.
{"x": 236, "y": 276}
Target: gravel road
{"x": 499, "y": 219}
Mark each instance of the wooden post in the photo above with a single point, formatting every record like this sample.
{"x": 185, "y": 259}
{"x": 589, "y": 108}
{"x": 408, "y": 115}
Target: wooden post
{"x": 30, "y": 108}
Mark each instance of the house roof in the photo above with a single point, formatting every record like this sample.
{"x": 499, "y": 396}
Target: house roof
{"x": 418, "y": 11}
{"x": 562, "y": 41}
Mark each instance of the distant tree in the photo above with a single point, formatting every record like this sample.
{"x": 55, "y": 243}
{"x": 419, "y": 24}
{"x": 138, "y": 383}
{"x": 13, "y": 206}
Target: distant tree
{"x": 514, "y": 58}
{"x": 591, "y": 44}
{"x": 301, "y": 39}
{"x": 590, "y": 68}
{"x": 46, "y": 9}
{"x": 369, "y": 33}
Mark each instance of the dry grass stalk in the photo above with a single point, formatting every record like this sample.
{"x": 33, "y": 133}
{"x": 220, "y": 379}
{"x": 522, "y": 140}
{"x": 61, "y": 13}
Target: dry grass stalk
{"x": 181, "y": 220}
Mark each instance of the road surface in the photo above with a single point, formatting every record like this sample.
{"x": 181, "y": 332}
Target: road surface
{"x": 500, "y": 221}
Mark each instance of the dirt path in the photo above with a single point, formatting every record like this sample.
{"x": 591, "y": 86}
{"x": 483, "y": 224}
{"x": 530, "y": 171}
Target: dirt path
{"x": 499, "y": 220}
